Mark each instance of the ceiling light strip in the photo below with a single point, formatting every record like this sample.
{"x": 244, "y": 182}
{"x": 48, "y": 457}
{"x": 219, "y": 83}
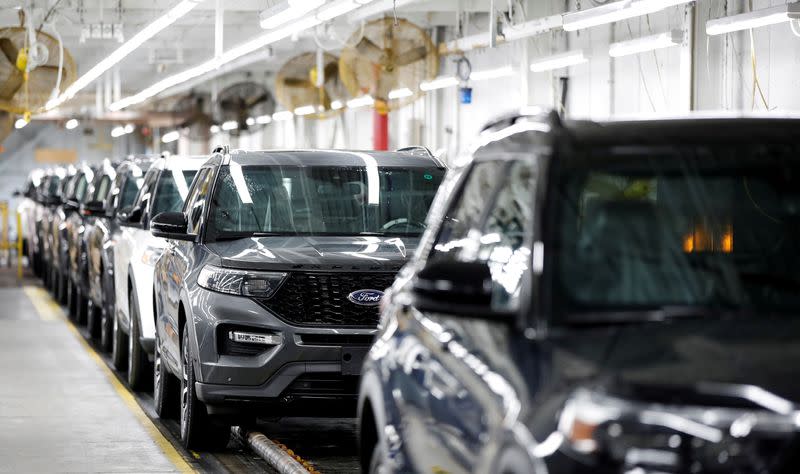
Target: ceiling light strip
{"x": 558, "y": 61}
{"x": 211, "y": 64}
{"x": 754, "y": 19}
{"x": 149, "y": 31}
{"x": 615, "y": 11}
{"x": 646, "y": 43}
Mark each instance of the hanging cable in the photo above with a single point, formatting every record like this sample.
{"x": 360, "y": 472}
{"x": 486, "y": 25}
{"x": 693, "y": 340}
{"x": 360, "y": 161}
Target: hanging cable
{"x": 756, "y": 82}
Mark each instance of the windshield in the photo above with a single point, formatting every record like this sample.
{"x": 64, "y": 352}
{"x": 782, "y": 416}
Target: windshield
{"x": 52, "y": 186}
{"x": 649, "y": 229}
{"x": 322, "y": 200}
{"x": 171, "y": 191}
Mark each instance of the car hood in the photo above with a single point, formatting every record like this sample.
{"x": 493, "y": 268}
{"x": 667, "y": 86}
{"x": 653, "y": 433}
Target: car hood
{"x": 316, "y": 253}
{"x": 677, "y": 357}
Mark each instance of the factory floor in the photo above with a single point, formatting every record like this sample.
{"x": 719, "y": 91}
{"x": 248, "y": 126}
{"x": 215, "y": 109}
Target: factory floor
{"x": 61, "y": 409}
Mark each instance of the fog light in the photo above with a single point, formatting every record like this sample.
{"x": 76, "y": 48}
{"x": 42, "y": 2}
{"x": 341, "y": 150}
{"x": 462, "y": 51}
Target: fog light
{"x": 255, "y": 338}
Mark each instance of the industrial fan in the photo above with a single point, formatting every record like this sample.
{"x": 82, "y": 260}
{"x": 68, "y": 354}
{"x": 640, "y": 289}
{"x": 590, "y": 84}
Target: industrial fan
{"x": 190, "y": 113}
{"x": 388, "y": 62}
{"x": 242, "y": 103}
{"x": 299, "y": 85}
{"x": 29, "y": 69}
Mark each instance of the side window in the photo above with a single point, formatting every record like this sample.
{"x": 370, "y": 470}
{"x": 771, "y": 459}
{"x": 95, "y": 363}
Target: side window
{"x": 101, "y": 192}
{"x": 502, "y": 242}
{"x": 462, "y": 221}
{"x": 144, "y": 195}
{"x": 130, "y": 188}
{"x": 196, "y": 201}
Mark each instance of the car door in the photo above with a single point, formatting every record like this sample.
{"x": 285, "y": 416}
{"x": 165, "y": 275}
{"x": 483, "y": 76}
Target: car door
{"x": 177, "y": 261}
{"x": 467, "y": 384}
{"x": 127, "y": 242}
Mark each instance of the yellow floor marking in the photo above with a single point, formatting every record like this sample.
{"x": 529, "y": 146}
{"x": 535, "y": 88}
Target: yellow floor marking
{"x": 49, "y": 310}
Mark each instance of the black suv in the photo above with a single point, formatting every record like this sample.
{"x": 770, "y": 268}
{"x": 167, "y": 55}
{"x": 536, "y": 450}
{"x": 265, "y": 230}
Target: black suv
{"x": 599, "y": 297}
{"x": 267, "y": 294}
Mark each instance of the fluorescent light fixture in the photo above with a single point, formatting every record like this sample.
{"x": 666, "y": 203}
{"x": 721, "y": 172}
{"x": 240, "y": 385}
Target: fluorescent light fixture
{"x": 615, "y": 11}
{"x": 282, "y": 115}
{"x": 214, "y": 63}
{"x": 250, "y": 121}
{"x": 754, "y": 19}
{"x": 165, "y": 20}
{"x": 646, "y": 43}
{"x": 170, "y": 137}
{"x": 214, "y": 129}
{"x": 230, "y": 125}
{"x": 364, "y": 100}
{"x": 287, "y": 11}
{"x": 336, "y": 105}
{"x": 129, "y": 128}
{"x": 491, "y": 73}
{"x": 531, "y": 110}
{"x": 117, "y": 131}
{"x": 335, "y": 9}
{"x": 438, "y": 83}
{"x": 400, "y": 93}
{"x": 558, "y": 61}
{"x": 20, "y": 123}
{"x": 305, "y": 110}
{"x": 263, "y": 119}
{"x": 71, "y": 123}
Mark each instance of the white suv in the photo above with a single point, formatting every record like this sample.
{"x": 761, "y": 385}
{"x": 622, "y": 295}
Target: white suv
{"x": 136, "y": 251}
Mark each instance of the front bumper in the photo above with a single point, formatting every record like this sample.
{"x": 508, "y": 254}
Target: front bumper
{"x": 309, "y": 365}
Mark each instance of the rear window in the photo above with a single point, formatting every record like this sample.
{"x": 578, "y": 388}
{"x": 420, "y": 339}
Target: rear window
{"x": 712, "y": 227}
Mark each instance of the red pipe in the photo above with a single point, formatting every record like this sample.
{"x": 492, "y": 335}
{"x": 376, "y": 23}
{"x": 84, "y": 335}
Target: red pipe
{"x": 380, "y": 130}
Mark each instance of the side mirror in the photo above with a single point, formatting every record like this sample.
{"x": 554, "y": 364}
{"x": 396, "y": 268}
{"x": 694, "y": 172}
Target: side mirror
{"x": 70, "y": 205}
{"x": 456, "y": 288}
{"x": 93, "y": 208}
{"x": 134, "y": 216}
{"x": 17, "y": 193}
{"x": 170, "y": 225}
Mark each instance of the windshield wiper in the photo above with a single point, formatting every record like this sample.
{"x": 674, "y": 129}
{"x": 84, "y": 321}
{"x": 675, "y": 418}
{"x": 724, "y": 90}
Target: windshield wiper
{"x": 659, "y": 314}
{"x": 244, "y": 235}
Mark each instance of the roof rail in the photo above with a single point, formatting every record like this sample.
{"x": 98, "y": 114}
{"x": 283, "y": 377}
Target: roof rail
{"x": 548, "y": 116}
{"x": 417, "y": 150}
{"x": 222, "y": 149}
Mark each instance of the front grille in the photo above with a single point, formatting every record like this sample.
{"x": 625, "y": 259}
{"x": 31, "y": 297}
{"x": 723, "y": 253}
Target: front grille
{"x": 337, "y": 339}
{"x": 320, "y": 299}
{"x": 323, "y": 385}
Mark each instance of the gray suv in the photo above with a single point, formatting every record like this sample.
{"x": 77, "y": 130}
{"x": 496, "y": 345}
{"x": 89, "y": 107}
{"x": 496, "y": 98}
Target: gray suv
{"x": 267, "y": 294}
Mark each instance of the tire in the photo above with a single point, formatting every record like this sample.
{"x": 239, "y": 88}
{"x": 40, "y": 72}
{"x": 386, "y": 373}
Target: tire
{"x": 198, "y": 429}
{"x": 106, "y": 313}
{"x": 138, "y": 365}
{"x": 93, "y": 318}
{"x": 37, "y": 264}
{"x": 72, "y": 301}
{"x": 119, "y": 346}
{"x": 376, "y": 461}
{"x": 82, "y": 303}
{"x": 63, "y": 289}
{"x": 165, "y": 393}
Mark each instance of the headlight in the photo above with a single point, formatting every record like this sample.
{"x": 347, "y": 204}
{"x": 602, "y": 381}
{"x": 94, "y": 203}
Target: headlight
{"x": 240, "y": 282}
{"x": 151, "y": 255}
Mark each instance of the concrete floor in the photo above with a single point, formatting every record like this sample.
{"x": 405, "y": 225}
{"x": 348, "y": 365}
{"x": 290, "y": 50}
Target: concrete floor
{"x": 60, "y": 408}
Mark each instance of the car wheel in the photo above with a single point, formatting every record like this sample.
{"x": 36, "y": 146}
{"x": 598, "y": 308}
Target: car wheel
{"x": 63, "y": 289}
{"x": 137, "y": 358}
{"x": 198, "y": 430}
{"x": 72, "y": 301}
{"x": 376, "y": 464}
{"x": 106, "y": 329}
{"x": 164, "y": 387}
{"x": 119, "y": 346}
{"x": 92, "y": 318}
{"x": 37, "y": 264}
{"x": 82, "y": 304}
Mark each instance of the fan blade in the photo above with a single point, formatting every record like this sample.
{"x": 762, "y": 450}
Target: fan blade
{"x": 293, "y": 82}
{"x": 410, "y": 56}
{"x": 257, "y": 100}
{"x": 370, "y": 50}
{"x": 9, "y": 50}
{"x": 331, "y": 71}
{"x": 229, "y": 104}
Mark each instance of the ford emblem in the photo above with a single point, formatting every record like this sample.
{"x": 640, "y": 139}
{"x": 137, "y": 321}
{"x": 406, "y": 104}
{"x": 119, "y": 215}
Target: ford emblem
{"x": 366, "y": 297}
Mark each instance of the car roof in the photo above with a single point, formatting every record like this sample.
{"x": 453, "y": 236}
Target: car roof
{"x": 180, "y": 162}
{"x": 390, "y": 159}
